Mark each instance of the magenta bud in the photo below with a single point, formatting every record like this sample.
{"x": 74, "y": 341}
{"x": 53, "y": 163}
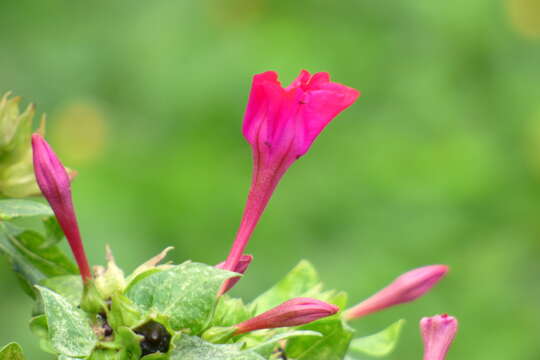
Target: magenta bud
{"x": 54, "y": 182}
{"x": 438, "y": 332}
{"x": 298, "y": 311}
{"x": 407, "y": 287}
{"x": 240, "y": 268}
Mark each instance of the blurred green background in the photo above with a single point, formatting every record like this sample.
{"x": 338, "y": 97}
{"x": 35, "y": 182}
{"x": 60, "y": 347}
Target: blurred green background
{"x": 438, "y": 161}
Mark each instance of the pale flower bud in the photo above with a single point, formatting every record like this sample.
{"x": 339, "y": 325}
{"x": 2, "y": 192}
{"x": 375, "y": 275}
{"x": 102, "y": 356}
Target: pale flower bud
{"x": 407, "y": 287}
{"x": 438, "y": 332}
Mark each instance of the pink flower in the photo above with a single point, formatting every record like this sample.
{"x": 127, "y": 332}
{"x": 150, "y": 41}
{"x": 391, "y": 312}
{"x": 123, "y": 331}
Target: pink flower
{"x": 405, "y": 288}
{"x": 438, "y": 332}
{"x": 241, "y": 268}
{"x": 298, "y": 311}
{"x": 54, "y": 182}
{"x": 281, "y": 124}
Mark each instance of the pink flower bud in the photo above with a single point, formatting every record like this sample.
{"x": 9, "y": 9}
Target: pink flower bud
{"x": 405, "y": 288}
{"x": 281, "y": 124}
{"x": 241, "y": 268}
{"x": 298, "y": 311}
{"x": 54, "y": 182}
{"x": 438, "y": 332}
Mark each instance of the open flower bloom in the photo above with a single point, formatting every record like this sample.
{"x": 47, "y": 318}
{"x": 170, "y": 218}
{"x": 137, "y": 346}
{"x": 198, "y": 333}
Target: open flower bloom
{"x": 407, "y": 287}
{"x": 54, "y": 182}
{"x": 241, "y": 268}
{"x": 438, "y": 332}
{"x": 298, "y": 311}
{"x": 281, "y": 124}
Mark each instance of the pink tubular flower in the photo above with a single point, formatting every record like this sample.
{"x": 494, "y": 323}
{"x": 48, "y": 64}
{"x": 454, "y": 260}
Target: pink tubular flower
{"x": 281, "y": 124}
{"x": 405, "y": 288}
{"x": 54, "y": 182}
{"x": 298, "y": 311}
{"x": 241, "y": 268}
{"x": 438, "y": 332}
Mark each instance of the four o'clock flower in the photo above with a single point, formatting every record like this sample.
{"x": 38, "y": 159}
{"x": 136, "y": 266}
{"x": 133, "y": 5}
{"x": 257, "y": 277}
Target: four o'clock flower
{"x": 294, "y": 312}
{"x": 405, "y": 288}
{"x": 438, "y": 332}
{"x": 54, "y": 182}
{"x": 281, "y": 124}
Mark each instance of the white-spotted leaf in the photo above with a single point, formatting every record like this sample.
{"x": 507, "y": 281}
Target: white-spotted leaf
{"x": 69, "y": 329}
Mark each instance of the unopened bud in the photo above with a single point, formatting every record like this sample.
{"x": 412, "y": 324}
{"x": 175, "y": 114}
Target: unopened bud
{"x": 54, "y": 182}
{"x": 298, "y": 311}
{"x": 405, "y": 288}
{"x": 438, "y": 332}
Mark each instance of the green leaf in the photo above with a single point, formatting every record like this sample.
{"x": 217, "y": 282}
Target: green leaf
{"x": 31, "y": 260}
{"x": 231, "y": 311}
{"x": 69, "y": 329}
{"x": 39, "y": 327}
{"x": 194, "y": 348}
{"x": 69, "y": 286}
{"x": 267, "y": 346}
{"x": 53, "y": 232}
{"x": 332, "y": 346}
{"x": 376, "y": 345}
{"x": 11, "y": 209}
{"x": 11, "y": 351}
{"x": 299, "y": 281}
{"x": 186, "y": 293}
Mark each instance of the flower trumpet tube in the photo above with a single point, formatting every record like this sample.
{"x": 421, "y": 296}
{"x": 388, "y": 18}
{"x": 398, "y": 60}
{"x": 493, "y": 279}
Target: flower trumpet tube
{"x": 241, "y": 268}
{"x": 298, "y": 311}
{"x": 438, "y": 332}
{"x": 407, "y": 287}
{"x": 54, "y": 182}
{"x": 280, "y": 124}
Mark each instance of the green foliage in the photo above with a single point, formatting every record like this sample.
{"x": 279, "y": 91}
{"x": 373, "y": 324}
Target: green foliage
{"x": 194, "y": 348}
{"x": 300, "y": 281}
{"x": 11, "y": 351}
{"x": 187, "y": 294}
{"x": 333, "y": 345}
{"x": 231, "y": 311}
{"x": 39, "y": 327}
{"x": 266, "y": 347}
{"x": 12, "y": 208}
{"x": 31, "y": 260}
{"x": 16, "y": 175}
{"x": 112, "y": 317}
{"x": 376, "y": 345}
{"x": 69, "y": 286}
{"x": 69, "y": 329}
{"x": 34, "y": 256}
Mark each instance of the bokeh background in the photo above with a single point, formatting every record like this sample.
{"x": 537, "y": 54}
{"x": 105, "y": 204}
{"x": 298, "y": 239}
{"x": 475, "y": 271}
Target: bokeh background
{"x": 438, "y": 161}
